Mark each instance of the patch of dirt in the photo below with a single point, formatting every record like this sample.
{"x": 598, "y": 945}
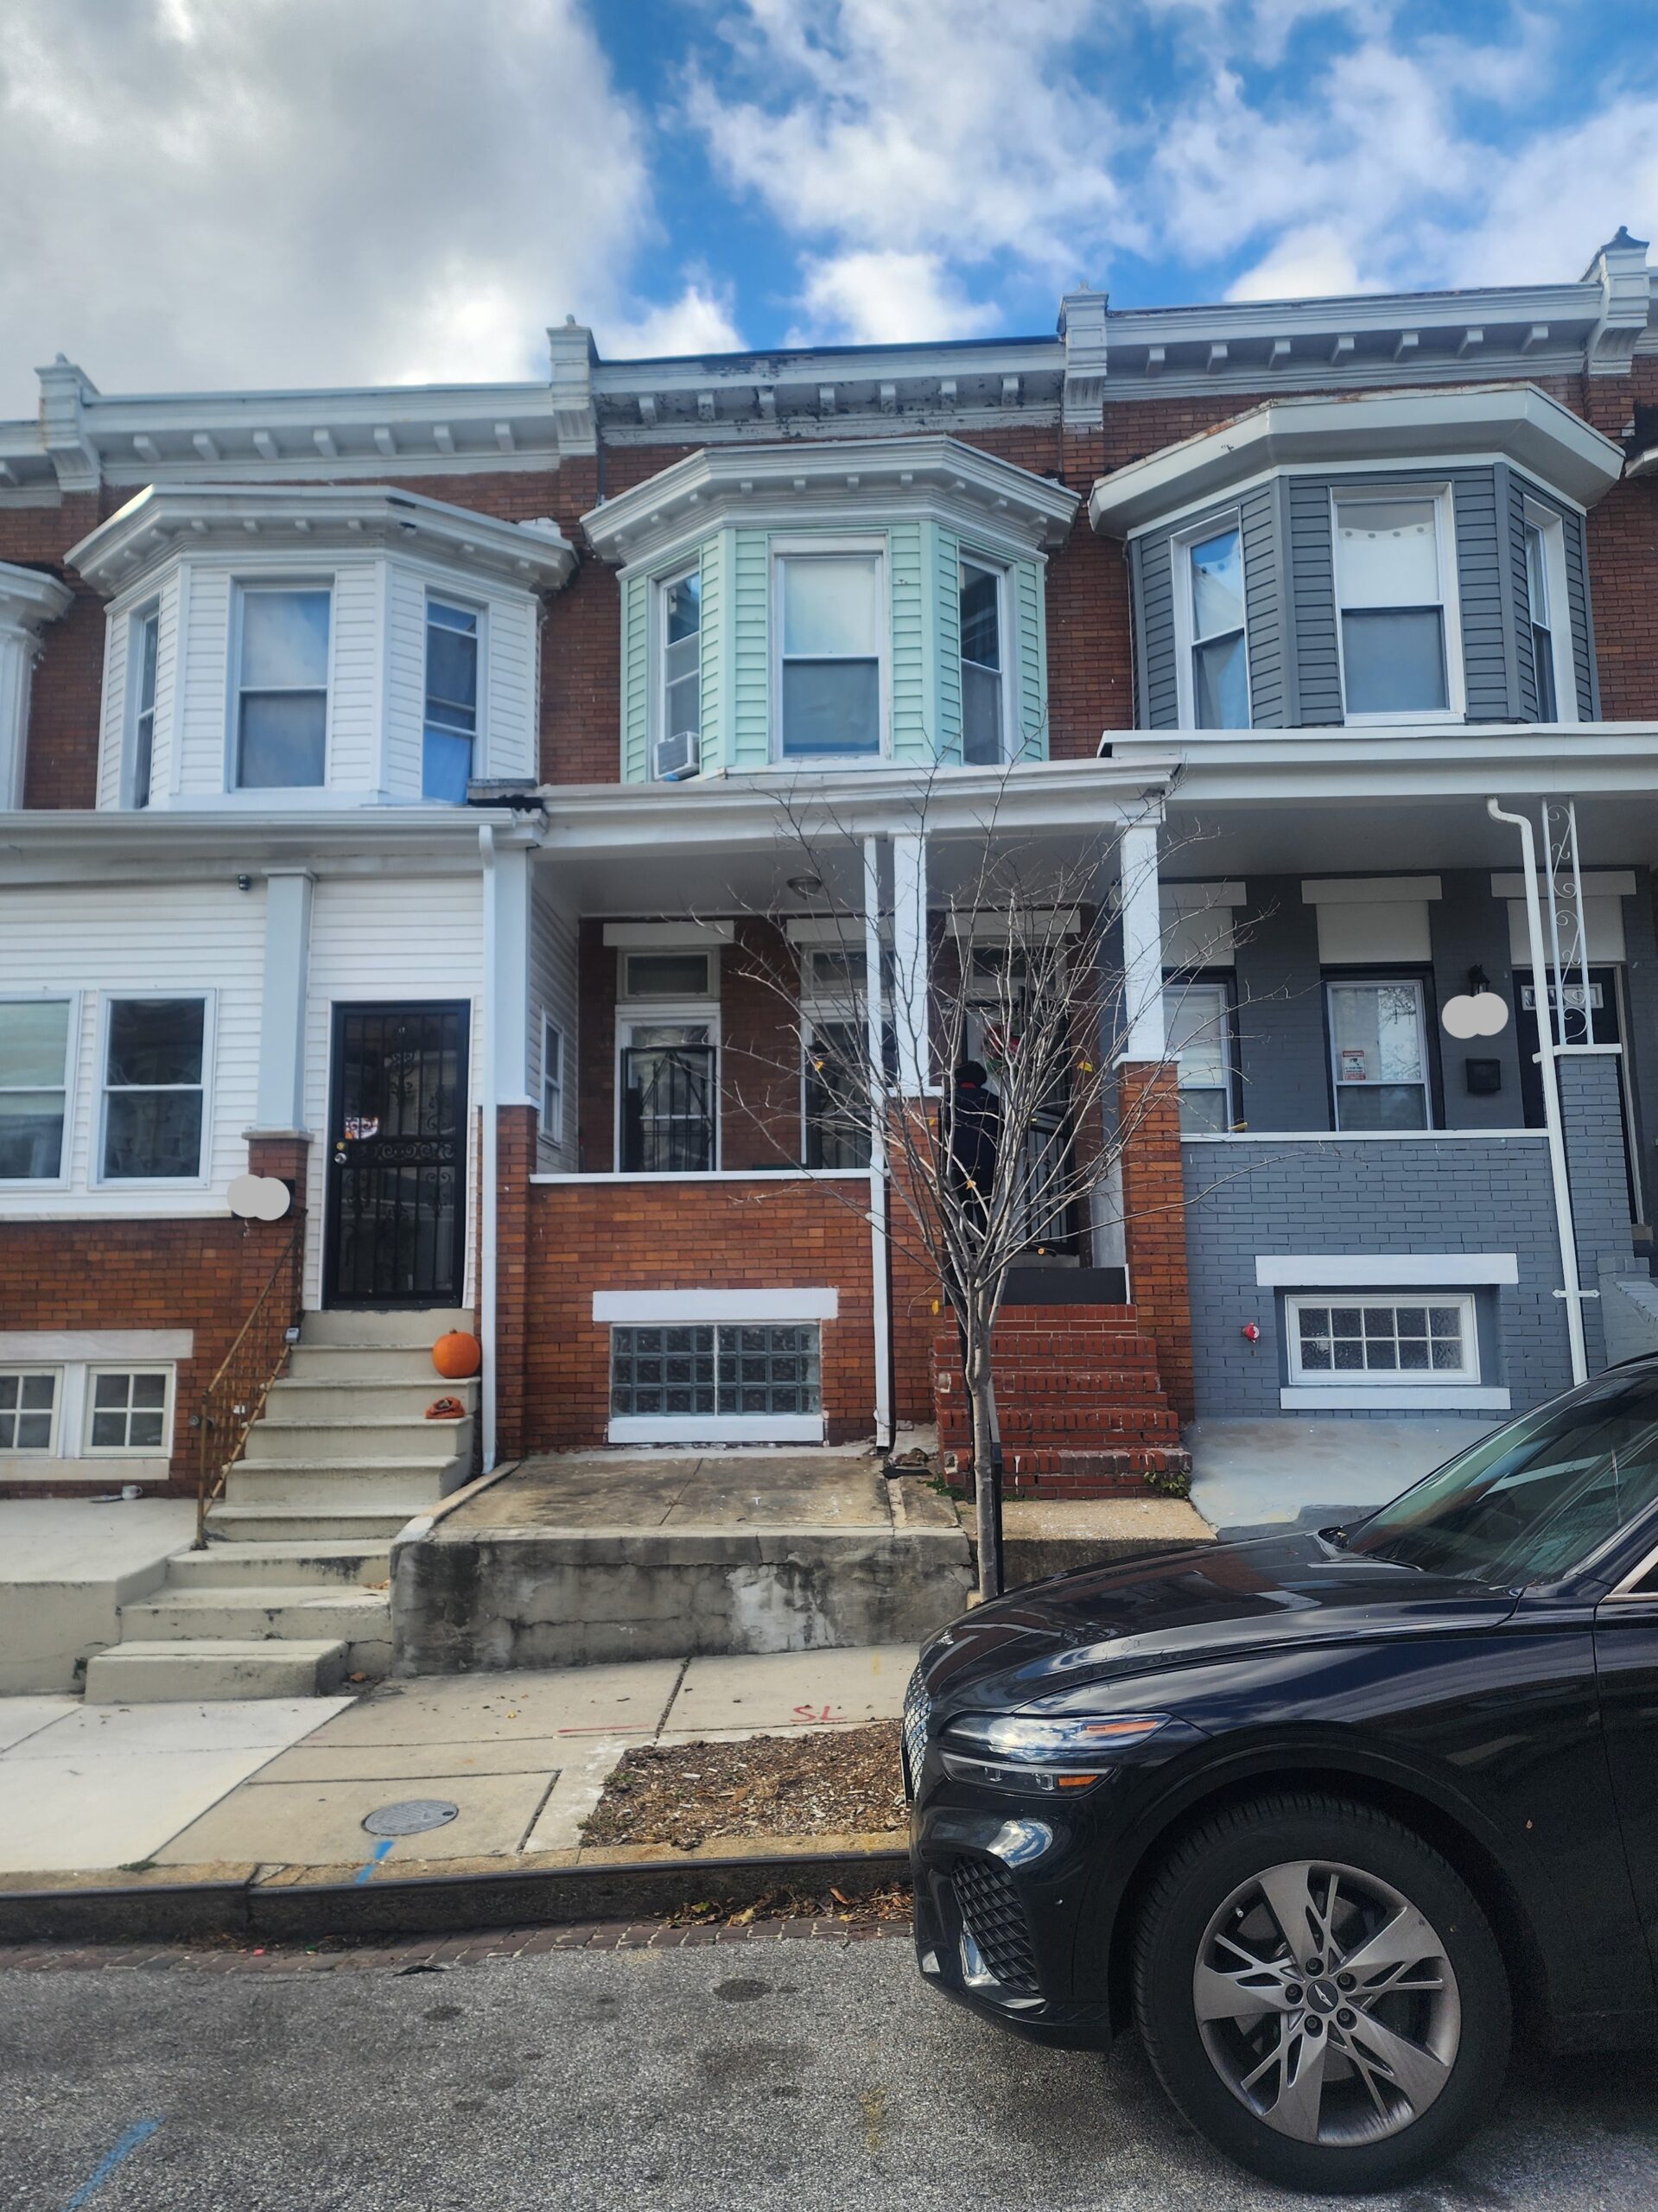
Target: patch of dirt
{"x": 841, "y": 1781}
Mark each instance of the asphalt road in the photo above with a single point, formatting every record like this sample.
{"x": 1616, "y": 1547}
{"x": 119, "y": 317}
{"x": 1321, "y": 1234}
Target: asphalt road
{"x": 802, "y": 2074}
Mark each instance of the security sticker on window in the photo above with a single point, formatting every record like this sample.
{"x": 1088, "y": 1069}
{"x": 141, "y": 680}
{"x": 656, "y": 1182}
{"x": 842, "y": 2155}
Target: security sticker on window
{"x": 1353, "y": 1069}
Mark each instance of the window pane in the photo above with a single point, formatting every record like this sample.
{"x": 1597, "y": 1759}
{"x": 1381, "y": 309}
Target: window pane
{"x": 1217, "y": 587}
{"x": 154, "y": 1040}
{"x": 980, "y": 716}
{"x": 31, "y": 1134}
{"x": 452, "y": 676}
{"x": 981, "y": 626}
{"x": 683, "y": 608}
{"x": 1536, "y": 574}
{"x": 1542, "y": 661}
{"x": 445, "y": 766}
{"x": 829, "y": 604}
{"x": 284, "y": 640}
{"x": 667, "y": 975}
{"x": 152, "y": 1133}
{"x": 1221, "y": 684}
{"x": 1195, "y": 1016}
{"x": 831, "y": 707}
{"x": 1202, "y": 1113}
{"x": 149, "y": 631}
{"x": 1395, "y": 663}
{"x": 33, "y": 1038}
{"x": 1387, "y": 553}
{"x": 1382, "y": 1106}
{"x": 683, "y": 703}
{"x": 284, "y": 741}
{"x": 1377, "y": 1031}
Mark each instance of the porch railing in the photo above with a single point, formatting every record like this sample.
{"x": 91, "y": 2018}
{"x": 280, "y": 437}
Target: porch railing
{"x": 235, "y": 1398}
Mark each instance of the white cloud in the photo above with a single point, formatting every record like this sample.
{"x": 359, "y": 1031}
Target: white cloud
{"x": 1309, "y": 263}
{"x": 880, "y": 298}
{"x": 698, "y": 322}
{"x": 268, "y": 192}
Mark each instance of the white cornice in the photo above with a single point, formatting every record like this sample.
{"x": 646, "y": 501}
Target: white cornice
{"x": 38, "y": 844}
{"x": 318, "y": 519}
{"x": 1514, "y": 420}
{"x": 859, "y": 481}
{"x": 28, "y": 598}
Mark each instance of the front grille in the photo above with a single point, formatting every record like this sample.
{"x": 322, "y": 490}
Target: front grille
{"x": 994, "y": 1918}
{"x": 917, "y": 1711}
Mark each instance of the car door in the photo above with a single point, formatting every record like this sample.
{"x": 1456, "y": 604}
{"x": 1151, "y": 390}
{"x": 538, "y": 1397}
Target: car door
{"x": 1626, "y": 1666}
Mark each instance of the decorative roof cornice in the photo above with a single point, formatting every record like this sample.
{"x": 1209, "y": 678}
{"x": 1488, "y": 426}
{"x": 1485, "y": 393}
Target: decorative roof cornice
{"x": 1516, "y": 421}
{"x": 859, "y": 480}
{"x": 310, "y": 518}
{"x": 29, "y": 598}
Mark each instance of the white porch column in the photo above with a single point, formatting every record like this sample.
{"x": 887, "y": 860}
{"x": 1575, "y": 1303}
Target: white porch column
{"x": 874, "y": 1046}
{"x": 27, "y": 602}
{"x": 1142, "y": 1035}
{"x": 910, "y": 963}
{"x": 281, "y": 1016}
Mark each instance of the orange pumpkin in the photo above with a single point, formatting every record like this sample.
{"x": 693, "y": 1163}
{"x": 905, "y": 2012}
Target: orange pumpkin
{"x": 457, "y": 1355}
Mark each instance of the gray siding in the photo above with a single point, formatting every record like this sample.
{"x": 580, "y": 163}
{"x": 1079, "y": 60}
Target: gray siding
{"x": 1263, "y": 602}
{"x": 1160, "y": 703}
{"x": 1313, "y": 594}
{"x": 1468, "y": 927}
{"x": 1592, "y": 1115}
{"x": 1641, "y": 1035}
{"x": 1486, "y": 638}
{"x": 1152, "y": 569}
{"x": 1280, "y": 1009}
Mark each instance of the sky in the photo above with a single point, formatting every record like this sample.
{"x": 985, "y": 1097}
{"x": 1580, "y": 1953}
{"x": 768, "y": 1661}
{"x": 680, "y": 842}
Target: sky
{"x": 219, "y": 194}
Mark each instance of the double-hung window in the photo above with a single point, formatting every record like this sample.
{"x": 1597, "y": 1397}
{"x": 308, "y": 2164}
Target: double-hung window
{"x": 1395, "y": 590}
{"x": 146, "y": 638}
{"x": 680, "y": 613}
{"x": 155, "y": 1059}
{"x": 282, "y": 689}
{"x": 552, "y": 1080}
{"x": 33, "y": 1088}
{"x": 829, "y": 662}
{"x": 1215, "y": 665}
{"x": 29, "y": 1409}
{"x": 129, "y": 1410}
{"x": 451, "y": 734}
{"x": 1197, "y": 1021}
{"x": 1378, "y": 1050}
{"x": 1548, "y": 617}
{"x": 984, "y": 740}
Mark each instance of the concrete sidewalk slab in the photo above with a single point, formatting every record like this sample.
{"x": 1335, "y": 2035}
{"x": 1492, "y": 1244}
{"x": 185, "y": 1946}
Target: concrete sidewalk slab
{"x": 320, "y": 1824}
{"x": 76, "y": 1813}
{"x": 792, "y": 1689}
{"x": 626, "y": 1700}
{"x": 267, "y": 1725}
{"x": 22, "y": 1717}
{"x": 319, "y": 1761}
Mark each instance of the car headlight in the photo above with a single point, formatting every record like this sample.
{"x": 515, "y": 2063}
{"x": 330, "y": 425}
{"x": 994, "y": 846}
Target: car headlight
{"x": 1028, "y": 1751}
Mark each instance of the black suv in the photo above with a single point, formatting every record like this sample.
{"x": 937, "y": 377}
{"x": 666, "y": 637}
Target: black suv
{"x": 1323, "y": 1815}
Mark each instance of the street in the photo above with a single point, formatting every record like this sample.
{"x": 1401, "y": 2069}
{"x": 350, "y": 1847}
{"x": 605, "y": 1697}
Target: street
{"x": 818, "y": 2073}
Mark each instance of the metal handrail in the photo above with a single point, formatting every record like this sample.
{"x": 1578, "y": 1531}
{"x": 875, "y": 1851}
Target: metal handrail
{"x": 235, "y": 1398}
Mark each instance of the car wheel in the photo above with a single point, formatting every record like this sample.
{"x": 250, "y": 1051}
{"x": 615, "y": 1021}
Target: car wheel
{"x": 1320, "y": 1995}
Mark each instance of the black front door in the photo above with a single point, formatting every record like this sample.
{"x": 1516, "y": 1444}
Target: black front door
{"x": 397, "y": 1155}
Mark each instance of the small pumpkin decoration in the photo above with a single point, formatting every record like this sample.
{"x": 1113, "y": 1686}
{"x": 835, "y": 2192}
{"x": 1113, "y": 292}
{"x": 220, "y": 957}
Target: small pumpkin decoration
{"x": 457, "y": 1355}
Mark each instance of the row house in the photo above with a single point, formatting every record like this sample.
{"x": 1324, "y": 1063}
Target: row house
{"x": 449, "y": 832}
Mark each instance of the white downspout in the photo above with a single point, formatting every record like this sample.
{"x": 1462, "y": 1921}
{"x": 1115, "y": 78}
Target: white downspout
{"x": 874, "y": 1045}
{"x": 490, "y": 1149}
{"x": 1563, "y": 1223}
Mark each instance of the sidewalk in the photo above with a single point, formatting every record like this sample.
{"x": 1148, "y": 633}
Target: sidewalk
{"x": 522, "y": 1758}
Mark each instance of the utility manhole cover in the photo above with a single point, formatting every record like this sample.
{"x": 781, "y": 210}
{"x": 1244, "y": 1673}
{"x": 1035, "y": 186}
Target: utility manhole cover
{"x": 411, "y": 1816}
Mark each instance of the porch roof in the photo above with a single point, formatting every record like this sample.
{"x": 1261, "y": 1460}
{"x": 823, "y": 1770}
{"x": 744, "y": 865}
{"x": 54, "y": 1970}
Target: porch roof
{"x": 44, "y": 845}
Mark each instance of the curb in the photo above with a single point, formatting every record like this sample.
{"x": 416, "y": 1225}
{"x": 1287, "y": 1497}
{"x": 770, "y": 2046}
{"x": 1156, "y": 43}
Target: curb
{"x": 288, "y": 1903}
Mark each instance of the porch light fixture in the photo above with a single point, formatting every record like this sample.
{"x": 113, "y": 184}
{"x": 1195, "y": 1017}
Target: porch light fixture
{"x": 805, "y": 886}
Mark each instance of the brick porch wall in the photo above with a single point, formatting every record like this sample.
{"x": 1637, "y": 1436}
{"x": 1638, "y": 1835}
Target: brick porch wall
{"x": 1154, "y": 1226}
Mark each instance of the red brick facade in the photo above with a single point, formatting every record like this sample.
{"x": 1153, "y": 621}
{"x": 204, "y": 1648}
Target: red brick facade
{"x": 1154, "y": 1222}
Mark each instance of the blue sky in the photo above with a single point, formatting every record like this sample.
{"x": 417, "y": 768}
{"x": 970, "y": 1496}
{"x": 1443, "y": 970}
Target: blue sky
{"x": 240, "y": 192}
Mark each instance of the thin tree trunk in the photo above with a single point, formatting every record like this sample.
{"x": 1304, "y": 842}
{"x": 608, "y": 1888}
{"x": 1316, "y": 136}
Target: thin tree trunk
{"x": 981, "y": 1401}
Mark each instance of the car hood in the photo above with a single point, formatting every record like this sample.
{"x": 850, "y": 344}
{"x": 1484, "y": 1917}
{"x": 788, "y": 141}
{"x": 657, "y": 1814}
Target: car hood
{"x": 1212, "y": 1601}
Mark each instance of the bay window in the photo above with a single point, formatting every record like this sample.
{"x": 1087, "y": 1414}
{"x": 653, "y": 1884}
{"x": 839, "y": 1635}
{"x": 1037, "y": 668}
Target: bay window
{"x": 830, "y": 657}
{"x": 1548, "y": 616}
{"x": 155, "y": 1061}
{"x": 33, "y": 1088}
{"x": 983, "y": 709}
{"x": 679, "y": 616}
{"x": 146, "y": 636}
{"x": 282, "y": 688}
{"x": 1215, "y": 665}
{"x": 1395, "y": 595}
{"x": 448, "y": 762}
{"x": 1378, "y": 1049}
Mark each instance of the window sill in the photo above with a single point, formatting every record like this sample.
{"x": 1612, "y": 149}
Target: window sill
{"x": 1394, "y": 1398}
{"x": 711, "y": 1428}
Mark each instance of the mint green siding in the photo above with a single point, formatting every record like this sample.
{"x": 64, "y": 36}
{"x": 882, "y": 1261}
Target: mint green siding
{"x": 946, "y": 612}
{"x": 913, "y": 682}
{"x": 1030, "y": 658}
{"x": 719, "y": 601}
{"x": 751, "y": 736}
{"x": 636, "y": 680}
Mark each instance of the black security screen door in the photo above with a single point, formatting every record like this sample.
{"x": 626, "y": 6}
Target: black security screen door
{"x": 397, "y": 1156}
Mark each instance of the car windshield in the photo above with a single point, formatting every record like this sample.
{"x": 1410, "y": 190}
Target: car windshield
{"x": 1538, "y": 1498}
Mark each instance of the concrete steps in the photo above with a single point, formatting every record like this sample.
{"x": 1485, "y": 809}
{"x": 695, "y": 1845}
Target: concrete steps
{"x": 291, "y": 1595}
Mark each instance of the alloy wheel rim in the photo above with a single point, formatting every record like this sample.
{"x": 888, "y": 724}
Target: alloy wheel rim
{"x": 1326, "y": 2003}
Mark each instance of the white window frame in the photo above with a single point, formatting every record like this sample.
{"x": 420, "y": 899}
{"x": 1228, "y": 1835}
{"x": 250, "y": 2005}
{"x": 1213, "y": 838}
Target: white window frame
{"x": 199, "y": 1181}
{"x": 719, "y": 1428}
{"x": 552, "y": 1049}
{"x": 626, "y": 952}
{"x": 1366, "y": 1378}
{"x": 1333, "y": 980}
{"x": 71, "y": 1066}
{"x": 141, "y": 620}
{"x": 1393, "y": 493}
{"x": 1186, "y": 639}
{"x": 969, "y": 557}
{"x": 660, "y": 587}
{"x": 241, "y": 588}
{"x": 28, "y": 1455}
{"x": 94, "y": 1369}
{"x": 1551, "y": 528}
{"x": 1177, "y": 985}
{"x": 787, "y": 548}
{"x": 647, "y": 1013}
{"x": 479, "y": 613}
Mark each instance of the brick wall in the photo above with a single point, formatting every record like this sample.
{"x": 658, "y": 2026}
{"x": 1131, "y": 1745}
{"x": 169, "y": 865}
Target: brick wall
{"x": 1154, "y": 1222}
{"x": 515, "y": 1163}
{"x": 684, "y": 1237}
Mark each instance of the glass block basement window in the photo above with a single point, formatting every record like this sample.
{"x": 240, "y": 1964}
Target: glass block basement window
{"x": 739, "y": 1368}
{"x": 1412, "y": 1340}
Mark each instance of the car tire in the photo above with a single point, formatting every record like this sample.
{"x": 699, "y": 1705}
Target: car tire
{"x": 1423, "y": 2044}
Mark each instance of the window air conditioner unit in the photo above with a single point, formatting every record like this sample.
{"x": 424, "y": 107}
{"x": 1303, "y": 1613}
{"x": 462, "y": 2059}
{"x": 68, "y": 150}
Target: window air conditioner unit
{"x": 679, "y": 756}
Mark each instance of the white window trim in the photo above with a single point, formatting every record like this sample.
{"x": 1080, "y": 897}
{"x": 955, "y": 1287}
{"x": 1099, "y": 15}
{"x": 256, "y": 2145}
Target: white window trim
{"x": 646, "y": 1013}
{"x": 1553, "y": 528}
{"x": 241, "y": 586}
{"x": 1386, "y": 1383}
{"x": 30, "y": 1456}
{"x": 660, "y": 585}
{"x": 552, "y": 1129}
{"x": 1456, "y": 1398}
{"x": 1412, "y": 1271}
{"x": 1337, "y": 980}
{"x": 462, "y": 604}
{"x": 96, "y": 1178}
{"x": 137, "y": 622}
{"x": 1444, "y": 532}
{"x": 1185, "y": 621}
{"x": 1175, "y": 981}
{"x": 966, "y": 557}
{"x": 127, "y": 1452}
{"x": 709, "y": 997}
{"x": 785, "y": 549}
{"x": 71, "y": 1070}
{"x": 672, "y": 1309}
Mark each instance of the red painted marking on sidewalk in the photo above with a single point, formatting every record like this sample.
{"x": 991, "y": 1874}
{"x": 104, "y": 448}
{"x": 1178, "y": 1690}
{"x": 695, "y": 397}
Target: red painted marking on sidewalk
{"x": 815, "y": 1716}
